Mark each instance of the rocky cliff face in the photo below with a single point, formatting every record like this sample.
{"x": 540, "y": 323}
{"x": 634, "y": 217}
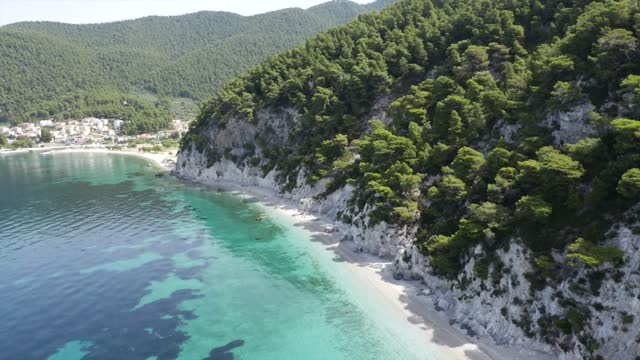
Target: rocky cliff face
{"x": 568, "y": 127}
{"x": 505, "y": 309}
{"x": 503, "y": 306}
{"x": 381, "y": 240}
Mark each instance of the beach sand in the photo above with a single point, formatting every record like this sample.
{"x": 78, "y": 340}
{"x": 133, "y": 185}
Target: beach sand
{"x": 401, "y": 297}
{"x": 165, "y": 160}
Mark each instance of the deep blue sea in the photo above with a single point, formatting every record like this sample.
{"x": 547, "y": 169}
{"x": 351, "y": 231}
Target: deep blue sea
{"x": 102, "y": 259}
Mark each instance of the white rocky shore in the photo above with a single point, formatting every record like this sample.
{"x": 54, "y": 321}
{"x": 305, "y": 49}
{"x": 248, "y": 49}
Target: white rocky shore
{"x": 493, "y": 315}
{"x": 413, "y": 299}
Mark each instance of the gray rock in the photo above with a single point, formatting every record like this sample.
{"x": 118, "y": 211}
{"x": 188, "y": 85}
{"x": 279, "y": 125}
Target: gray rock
{"x": 477, "y": 305}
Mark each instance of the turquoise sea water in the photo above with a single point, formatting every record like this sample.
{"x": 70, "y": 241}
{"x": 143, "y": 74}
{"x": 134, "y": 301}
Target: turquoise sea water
{"x": 101, "y": 259}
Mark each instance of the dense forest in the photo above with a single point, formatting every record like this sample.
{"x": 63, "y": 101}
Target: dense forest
{"x": 505, "y": 119}
{"x": 65, "y": 71}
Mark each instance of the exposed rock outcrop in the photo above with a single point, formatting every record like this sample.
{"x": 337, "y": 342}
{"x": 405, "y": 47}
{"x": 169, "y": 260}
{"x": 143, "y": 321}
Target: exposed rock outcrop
{"x": 503, "y": 306}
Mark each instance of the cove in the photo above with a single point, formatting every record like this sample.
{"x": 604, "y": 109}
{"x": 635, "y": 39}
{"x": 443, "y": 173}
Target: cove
{"x": 101, "y": 259}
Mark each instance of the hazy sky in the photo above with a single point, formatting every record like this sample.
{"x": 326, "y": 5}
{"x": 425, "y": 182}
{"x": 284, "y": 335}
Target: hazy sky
{"x": 92, "y": 11}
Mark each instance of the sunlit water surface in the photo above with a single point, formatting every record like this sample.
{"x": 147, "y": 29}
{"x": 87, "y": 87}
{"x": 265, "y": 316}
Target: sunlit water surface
{"x": 102, "y": 259}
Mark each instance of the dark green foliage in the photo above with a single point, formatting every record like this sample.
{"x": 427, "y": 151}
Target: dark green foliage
{"x": 470, "y": 150}
{"x": 629, "y": 185}
{"x": 387, "y": 176}
{"x": 456, "y": 75}
{"x": 498, "y": 158}
{"x": 468, "y": 164}
{"x": 22, "y": 142}
{"x": 45, "y": 135}
{"x": 590, "y": 151}
{"x": 576, "y": 318}
{"x": 547, "y": 266}
{"x": 332, "y": 154}
{"x": 187, "y": 56}
{"x": 449, "y": 188}
{"x": 533, "y": 209}
{"x": 628, "y": 135}
{"x": 586, "y": 253}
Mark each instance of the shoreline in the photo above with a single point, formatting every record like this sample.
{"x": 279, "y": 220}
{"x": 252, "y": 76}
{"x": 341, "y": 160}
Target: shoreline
{"x": 405, "y": 298}
{"x": 164, "y": 160}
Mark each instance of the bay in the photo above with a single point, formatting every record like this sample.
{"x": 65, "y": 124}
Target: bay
{"x": 102, "y": 259}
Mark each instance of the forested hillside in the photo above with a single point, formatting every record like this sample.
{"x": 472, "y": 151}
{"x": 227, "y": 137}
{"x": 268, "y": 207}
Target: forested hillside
{"x": 63, "y": 70}
{"x": 484, "y": 126}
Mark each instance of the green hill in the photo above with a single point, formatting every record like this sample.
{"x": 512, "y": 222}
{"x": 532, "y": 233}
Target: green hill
{"x": 46, "y": 66}
{"x": 480, "y": 126}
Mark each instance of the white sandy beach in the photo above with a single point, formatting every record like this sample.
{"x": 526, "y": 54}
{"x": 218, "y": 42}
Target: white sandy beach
{"x": 164, "y": 160}
{"x": 401, "y": 297}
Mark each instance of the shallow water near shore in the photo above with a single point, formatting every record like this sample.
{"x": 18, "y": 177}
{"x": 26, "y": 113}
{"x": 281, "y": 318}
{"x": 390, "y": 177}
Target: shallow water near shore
{"x": 102, "y": 259}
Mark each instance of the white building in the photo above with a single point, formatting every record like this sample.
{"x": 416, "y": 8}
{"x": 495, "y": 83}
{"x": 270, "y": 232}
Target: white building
{"x": 59, "y": 136}
{"x": 99, "y": 123}
{"x": 46, "y": 123}
{"x": 180, "y": 125}
{"x": 28, "y": 126}
{"x": 85, "y": 130}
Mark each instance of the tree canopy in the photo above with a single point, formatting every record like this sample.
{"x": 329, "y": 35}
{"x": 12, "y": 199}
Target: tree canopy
{"x": 48, "y": 70}
{"x": 457, "y": 74}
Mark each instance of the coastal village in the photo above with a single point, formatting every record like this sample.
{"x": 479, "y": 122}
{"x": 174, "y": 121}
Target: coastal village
{"x": 88, "y": 131}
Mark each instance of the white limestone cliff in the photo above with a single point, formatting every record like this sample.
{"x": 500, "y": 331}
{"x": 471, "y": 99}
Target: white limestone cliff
{"x": 504, "y": 309}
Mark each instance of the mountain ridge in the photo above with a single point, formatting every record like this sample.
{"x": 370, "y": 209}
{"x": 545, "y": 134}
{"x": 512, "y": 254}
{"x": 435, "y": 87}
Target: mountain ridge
{"x": 177, "y": 56}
